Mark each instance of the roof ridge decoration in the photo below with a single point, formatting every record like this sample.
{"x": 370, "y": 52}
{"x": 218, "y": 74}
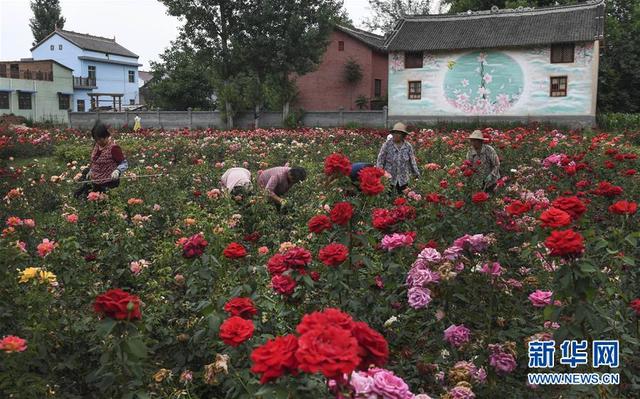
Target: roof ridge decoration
{"x": 87, "y": 35}
{"x": 361, "y": 31}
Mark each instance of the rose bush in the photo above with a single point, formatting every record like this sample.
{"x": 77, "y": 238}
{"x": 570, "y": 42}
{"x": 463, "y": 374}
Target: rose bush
{"x": 195, "y": 292}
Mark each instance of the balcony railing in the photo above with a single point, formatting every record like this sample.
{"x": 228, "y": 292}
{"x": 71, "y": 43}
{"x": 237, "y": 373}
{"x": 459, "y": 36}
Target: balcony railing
{"x": 26, "y": 74}
{"x": 84, "y": 83}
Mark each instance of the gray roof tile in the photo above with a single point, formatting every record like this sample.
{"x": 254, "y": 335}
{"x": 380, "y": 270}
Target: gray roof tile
{"x": 93, "y": 43}
{"x": 499, "y": 28}
{"x": 368, "y": 38}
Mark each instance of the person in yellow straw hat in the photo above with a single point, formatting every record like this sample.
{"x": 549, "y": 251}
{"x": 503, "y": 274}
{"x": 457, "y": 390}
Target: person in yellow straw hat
{"x": 398, "y": 158}
{"x": 485, "y": 160}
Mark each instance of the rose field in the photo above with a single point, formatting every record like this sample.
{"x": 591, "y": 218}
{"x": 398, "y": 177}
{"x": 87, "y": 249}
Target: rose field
{"x": 166, "y": 287}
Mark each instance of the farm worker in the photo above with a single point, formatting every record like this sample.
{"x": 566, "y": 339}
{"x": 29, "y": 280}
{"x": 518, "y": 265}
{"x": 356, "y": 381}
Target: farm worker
{"x": 107, "y": 163}
{"x": 137, "y": 125}
{"x": 236, "y": 181}
{"x": 398, "y": 159}
{"x": 485, "y": 160}
{"x": 355, "y": 170}
{"x": 277, "y": 181}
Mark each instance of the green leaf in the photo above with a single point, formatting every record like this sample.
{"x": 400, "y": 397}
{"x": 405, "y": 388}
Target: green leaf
{"x": 632, "y": 239}
{"x": 105, "y": 327}
{"x": 587, "y": 267}
{"x": 136, "y": 347}
{"x": 628, "y": 261}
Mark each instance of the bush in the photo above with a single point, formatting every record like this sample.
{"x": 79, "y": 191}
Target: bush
{"x": 618, "y": 121}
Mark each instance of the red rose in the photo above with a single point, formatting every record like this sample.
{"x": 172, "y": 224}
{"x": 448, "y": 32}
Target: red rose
{"x": 337, "y": 164}
{"x": 399, "y": 201}
{"x": 582, "y": 184}
{"x": 458, "y": 204}
{"x": 629, "y": 172}
{"x": 333, "y": 254}
{"x": 276, "y": 265}
{"x": 480, "y": 197}
{"x": 255, "y": 236}
{"x": 341, "y": 213}
{"x": 382, "y": 219}
{"x": 404, "y": 212}
{"x": 624, "y": 208}
{"x": 607, "y": 189}
{"x": 241, "y": 307}
{"x": 235, "y": 330}
{"x": 319, "y": 223}
{"x": 572, "y": 205}
{"x": 372, "y": 347}
{"x": 118, "y": 304}
{"x": 432, "y": 197}
{"x": 565, "y": 243}
{"x": 329, "y": 350}
{"x": 275, "y": 358}
{"x": 329, "y": 316}
{"x": 554, "y": 217}
{"x": 635, "y": 305}
{"x": 370, "y": 183}
{"x": 283, "y": 284}
{"x": 194, "y": 246}
{"x": 234, "y": 251}
{"x": 296, "y": 258}
{"x": 517, "y": 208}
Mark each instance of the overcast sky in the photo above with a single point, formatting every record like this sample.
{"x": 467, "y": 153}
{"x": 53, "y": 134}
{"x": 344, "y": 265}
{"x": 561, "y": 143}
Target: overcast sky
{"x": 141, "y": 26}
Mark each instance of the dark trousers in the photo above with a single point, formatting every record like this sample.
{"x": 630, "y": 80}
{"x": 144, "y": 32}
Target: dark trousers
{"x": 88, "y": 187}
{"x": 398, "y": 189}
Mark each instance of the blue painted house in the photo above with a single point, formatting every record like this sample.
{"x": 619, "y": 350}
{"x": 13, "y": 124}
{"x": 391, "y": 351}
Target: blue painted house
{"x": 520, "y": 65}
{"x": 105, "y": 73}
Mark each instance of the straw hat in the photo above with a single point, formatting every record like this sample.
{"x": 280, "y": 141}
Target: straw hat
{"x": 400, "y": 128}
{"x": 477, "y": 135}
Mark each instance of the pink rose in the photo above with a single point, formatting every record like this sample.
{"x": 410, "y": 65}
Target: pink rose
{"x": 73, "y": 218}
{"x": 540, "y": 299}
{"x": 457, "y": 335}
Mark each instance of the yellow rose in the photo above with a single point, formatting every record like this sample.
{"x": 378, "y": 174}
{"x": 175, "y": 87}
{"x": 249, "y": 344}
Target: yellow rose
{"x": 28, "y": 274}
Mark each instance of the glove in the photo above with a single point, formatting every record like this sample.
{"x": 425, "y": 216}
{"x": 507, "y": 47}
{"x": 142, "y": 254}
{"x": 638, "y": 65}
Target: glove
{"x": 115, "y": 175}
{"x": 283, "y": 203}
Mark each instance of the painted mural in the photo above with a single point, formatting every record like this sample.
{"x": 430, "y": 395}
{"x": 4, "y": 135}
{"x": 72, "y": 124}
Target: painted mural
{"x": 494, "y": 82}
{"x": 483, "y": 83}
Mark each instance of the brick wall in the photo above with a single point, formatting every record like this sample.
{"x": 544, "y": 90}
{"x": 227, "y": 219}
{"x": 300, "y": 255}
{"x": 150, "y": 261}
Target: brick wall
{"x": 326, "y": 89}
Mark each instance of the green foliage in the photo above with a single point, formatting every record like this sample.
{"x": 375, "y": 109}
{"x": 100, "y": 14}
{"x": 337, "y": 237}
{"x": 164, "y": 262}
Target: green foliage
{"x": 618, "y": 121}
{"x": 294, "y": 119}
{"x": 386, "y": 13}
{"x": 352, "y": 72}
{"x": 181, "y": 80}
{"x": 46, "y": 17}
{"x": 362, "y": 102}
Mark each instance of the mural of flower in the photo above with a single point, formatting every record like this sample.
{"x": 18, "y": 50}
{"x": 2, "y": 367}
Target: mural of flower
{"x": 484, "y": 83}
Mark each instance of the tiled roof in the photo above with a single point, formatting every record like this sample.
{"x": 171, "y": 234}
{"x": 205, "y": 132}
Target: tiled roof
{"x": 368, "y": 38}
{"x": 499, "y": 28}
{"x": 93, "y": 43}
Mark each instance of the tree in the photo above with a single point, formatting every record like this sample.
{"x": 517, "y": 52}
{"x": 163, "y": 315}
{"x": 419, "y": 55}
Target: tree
{"x": 46, "y": 18}
{"x": 619, "y": 89}
{"x": 281, "y": 38}
{"x": 182, "y": 79}
{"x": 209, "y": 27}
{"x": 353, "y": 76}
{"x": 387, "y": 12}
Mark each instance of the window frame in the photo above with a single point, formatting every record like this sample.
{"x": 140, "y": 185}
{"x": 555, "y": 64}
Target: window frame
{"x": 340, "y": 45}
{"x": 52, "y": 47}
{"x": 5, "y": 95}
{"x": 78, "y": 107}
{"x": 132, "y": 76}
{"x": 61, "y": 103}
{"x": 416, "y": 95}
{"x": 559, "y": 92}
{"x": 132, "y": 101}
{"x": 377, "y": 87}
{"x": 21, "y": 100}
{"x": 92, "y": 68}
{"x": 59, "y": 46}
{"x": 415, "y": 56}
{"x": 561, "y": 48}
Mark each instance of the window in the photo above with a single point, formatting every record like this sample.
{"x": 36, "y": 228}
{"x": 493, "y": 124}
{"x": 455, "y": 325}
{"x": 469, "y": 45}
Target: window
{"x": 377, "y": 88}
{"x": 60, "y": 47}
{"x": 562, "y": 53}
{"x": 340, "y": 45}
{"x": 3, "y": 71}
{"x": 15, "y": 71}
{"x": 24, "y": 100}
{"x": 412, "y": 60}
{"x": 64, "y": 101}
{"x": 558, "y": 86}
{"x": 132, "y": 102}
{"x": 132, "y": 76}
{"x": 4, "y": 100}
{"x": 52, "y": 47}
{"x": 80, "y": 105}
{"x": 415, "y": 90}
{"x": 92, "y": 72}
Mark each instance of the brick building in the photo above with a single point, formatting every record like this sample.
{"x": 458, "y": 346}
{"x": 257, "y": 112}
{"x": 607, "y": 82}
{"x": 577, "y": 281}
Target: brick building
{"x": 326, "y": 88}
